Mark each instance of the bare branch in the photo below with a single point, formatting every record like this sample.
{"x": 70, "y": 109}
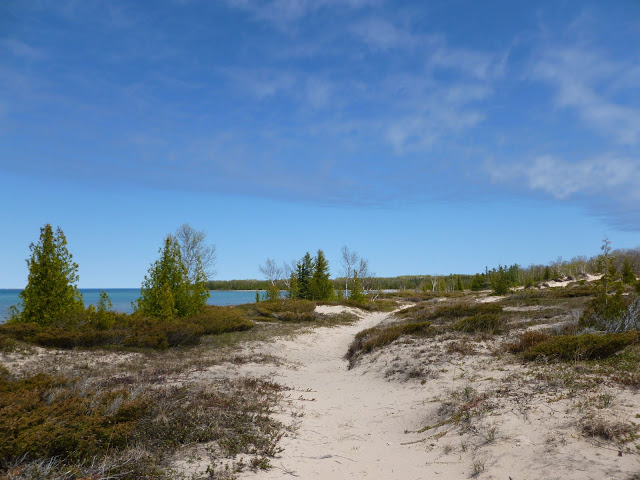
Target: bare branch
{"x": 195, "y": 252}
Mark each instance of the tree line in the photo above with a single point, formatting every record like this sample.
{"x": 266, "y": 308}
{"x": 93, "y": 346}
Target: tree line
{"x": 175, "y": 285}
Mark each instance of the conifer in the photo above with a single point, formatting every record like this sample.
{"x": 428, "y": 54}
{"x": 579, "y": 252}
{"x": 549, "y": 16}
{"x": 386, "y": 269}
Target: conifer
{"x": 51, "y": 294}
{"x": 321, "y": 285}
{"x": 166, "y": 291}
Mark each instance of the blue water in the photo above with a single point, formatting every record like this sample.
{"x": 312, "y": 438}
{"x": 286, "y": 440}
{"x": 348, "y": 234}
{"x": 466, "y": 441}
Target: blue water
{"x": 121, "y": 298}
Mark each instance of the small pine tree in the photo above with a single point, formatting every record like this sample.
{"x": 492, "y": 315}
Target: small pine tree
{"x": 357, "y": 293}
{"x": 500, "y": 281}
{"x": 478, "y": 282}
{"x": 547, "y": 273}
{"x": 321, "y": 285}
{"x": 51, "y": 295}
{"x": 459, "y": 286}
{"x": 166, "y": 291}
{"x": 102, "y": 317}
{"x": 628, "y": 276}
{"x": 272, "y": 292}
{"x": 304, "y": 272}
{"x": 294, "y": 290}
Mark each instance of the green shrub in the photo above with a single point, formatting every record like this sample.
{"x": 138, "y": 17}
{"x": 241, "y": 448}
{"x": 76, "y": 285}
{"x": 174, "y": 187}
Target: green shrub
{"x": 377, "y": 337}
{"x": 485, "y": 323}
{"x": 77, "y": 427}
{"x": 528, "y": 340}
{"x": 45, "y": 416}
{"x": 582, "y": 347}
{"x": 133, "y": 331}
{"x": 604, "y": 309}
{"x": 465, "y": 310}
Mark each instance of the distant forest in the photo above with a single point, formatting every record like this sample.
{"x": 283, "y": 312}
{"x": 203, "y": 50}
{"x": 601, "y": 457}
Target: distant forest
{"x": 518, "y": 275}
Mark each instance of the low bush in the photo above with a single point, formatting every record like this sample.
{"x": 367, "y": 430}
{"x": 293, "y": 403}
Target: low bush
{"x": 377, "y": 337}
{"x": 80, "y": 428}
{"x": 133, "y": 331}
{"x": 582, "y": 347}
{"x": 465, "y": 310}
{"x": 425, "y": 311}
{"x": 483, "y": 323}
{"x": 527, "y": 340}
{"x": 282, "y": 309}
{"x": 45, "y": 416}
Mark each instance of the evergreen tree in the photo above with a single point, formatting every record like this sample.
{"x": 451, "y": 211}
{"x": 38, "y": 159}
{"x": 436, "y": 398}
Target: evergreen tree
{"x": 272, "y": 292}
{"x": 102, "y": 316}
{"x": 357, "y": 293}
{"x": 547, "y": 273}
{"x": 166, "y": 291}
{"x": 51, "y": 294}
{"x": 628, "y": 276}
{"x": 459, "y": 286}
{"x": 294, "y": 290}
{"x": 321, "y": 284}
{"x": 500, "y": 281}
{"x": 305, "y": 270}
{"x": 478, "y": 282}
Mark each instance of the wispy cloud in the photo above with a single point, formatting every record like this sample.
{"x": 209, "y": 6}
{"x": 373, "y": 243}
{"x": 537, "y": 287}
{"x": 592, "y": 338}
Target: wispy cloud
{"x": 381, "y": 34}
{"x": 587, "y": 81}
{"x": 282, "y": 12}
{"x": 608, "y": 185}
{"x": 562, "y": 179}
{"x": 20, "y": 49}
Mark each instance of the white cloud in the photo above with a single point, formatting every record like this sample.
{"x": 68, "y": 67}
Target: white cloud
{"x": 20, "y": 49}
{"x": 608, "y": 175}
{"x": 262, "y": 83}
{"x": 283, "y": 12}
{"x": 474, "y": 63}
{"x": 380, "y": 34}
{"x": 588, "y": 82}
{"x": 318, "y": 92}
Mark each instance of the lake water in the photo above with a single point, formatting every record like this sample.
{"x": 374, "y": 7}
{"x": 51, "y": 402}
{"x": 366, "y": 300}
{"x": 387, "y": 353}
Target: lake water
{"x": 121, "y": 298}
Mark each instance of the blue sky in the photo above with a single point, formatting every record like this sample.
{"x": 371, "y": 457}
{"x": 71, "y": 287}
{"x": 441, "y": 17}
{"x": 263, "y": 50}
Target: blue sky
{"x": 431, "y": 137}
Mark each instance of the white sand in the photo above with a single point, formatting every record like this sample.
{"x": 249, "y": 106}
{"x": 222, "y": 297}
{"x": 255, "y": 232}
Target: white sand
{"x": 354, "y": 422}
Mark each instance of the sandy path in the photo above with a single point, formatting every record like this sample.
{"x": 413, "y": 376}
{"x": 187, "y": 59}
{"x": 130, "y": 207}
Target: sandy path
{"x": 353, "y": 424}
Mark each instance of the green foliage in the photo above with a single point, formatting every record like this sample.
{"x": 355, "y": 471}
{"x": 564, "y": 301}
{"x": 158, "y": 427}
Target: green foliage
{"x": 286, "y": 310}
{"x": 582, "y": 347}
{"x": 547, "y": 273}
{"x": 605, "y": 308}
{"x": 304, "y": 270}
{"x": 357, "y": 293}
{"x": 485, "y": 323}
{"x": 528, "y": 340}
{"x": 44, "y": 416}
{"x": 459, "y": 286}
{"x": 294, "y": 289}
{"x": 167, "y": 292}
{"x": 500, "y": 281}
{"x": 131, "y": 331}
{"x": 321, "y": 285}
{"x": 478, "y": 282}
{"x": 458, "y": 310}
{"x": 77, "y": 427}
{"x": 628, "y": 275}
{"x": 51, "y": 294}
{"x": 377, "y": 337}
{"x": 272, "y": 293}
